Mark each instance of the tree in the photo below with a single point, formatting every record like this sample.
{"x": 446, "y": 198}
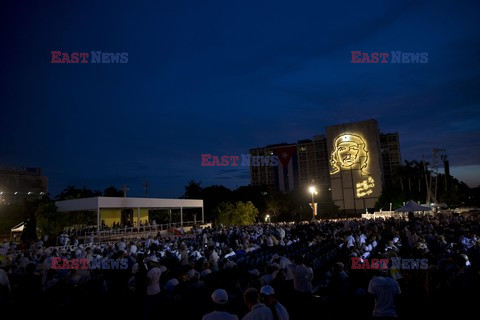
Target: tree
{"x": 112, "y": 191}
{"x": 49, "y": 220}
{"x": 277, "y": 204}
{"x": 193, "y": 190}
{"x": 72, "y": 192}
{"x": 212, "y": 196}
{"x": 256, "y": 194}
{"x": 238, "y": 214}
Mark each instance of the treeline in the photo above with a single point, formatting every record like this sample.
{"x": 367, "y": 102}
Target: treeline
{"x": 291, "y": 206}
{"x": 410, "y": 182}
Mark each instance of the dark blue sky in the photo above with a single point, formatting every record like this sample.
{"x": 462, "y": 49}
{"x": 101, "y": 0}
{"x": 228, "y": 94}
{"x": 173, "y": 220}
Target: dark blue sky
{"x": 221, "y": 77}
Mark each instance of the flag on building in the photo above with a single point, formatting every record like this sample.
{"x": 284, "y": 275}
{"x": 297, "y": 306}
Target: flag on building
{"x": 286, "y": 178}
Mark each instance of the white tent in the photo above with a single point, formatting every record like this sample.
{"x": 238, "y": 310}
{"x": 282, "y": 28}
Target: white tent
{"x": 18, "y": 228}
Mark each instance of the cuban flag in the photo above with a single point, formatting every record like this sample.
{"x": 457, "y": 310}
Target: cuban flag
{"x": 286, "y": 177}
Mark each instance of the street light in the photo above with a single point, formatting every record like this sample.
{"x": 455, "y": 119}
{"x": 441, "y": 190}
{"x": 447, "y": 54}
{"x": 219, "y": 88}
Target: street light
{"x": 267, "y": 218}
{"x": 313, "y": 190}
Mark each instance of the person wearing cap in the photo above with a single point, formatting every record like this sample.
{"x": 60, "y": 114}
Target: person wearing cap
{"x": 258, "y": 311}
{"x": 220, "y": 299}
{"x": 153, "y": 287}
{"x": 267, "y": 294}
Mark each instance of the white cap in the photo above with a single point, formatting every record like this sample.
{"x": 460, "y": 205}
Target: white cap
{"x": 275, "y": 257}
{"x": 254, "y": 272}
{"x": 153, "y": 259}
{"x": 220, "y": 296}
{"x": 267, "y": 290}
{"x": 192, "y": 273}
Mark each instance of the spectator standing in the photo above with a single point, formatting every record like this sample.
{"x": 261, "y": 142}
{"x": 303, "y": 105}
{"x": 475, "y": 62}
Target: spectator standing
{"x": 384, "y": 290}
{"x": 220, "y": 299}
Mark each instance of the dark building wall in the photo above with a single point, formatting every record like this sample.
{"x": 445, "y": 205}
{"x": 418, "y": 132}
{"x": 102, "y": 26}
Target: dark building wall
{"x": 391, "y": 156}
{"x": 19, "y": 183}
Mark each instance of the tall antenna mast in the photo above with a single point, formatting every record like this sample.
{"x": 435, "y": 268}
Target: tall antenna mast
{"x": 125, "y": 188}
{"x": 436, "y": 158}
{"x": 425, "y": 169}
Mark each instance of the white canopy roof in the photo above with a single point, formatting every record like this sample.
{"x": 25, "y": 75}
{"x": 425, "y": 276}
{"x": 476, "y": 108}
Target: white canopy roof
{"x": 18, "y": 228}
{"x": 93, "y": 204}
{"x": 97, "y": 203}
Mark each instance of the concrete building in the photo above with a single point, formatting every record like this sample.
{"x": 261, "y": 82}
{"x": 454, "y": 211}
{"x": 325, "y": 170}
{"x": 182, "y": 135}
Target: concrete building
{"x": 316, "y": 162}
{"x": 20, "y": 183}
{"x": 284, "y": 176}
{"x": 391, "y": 157}
{"x": 355, "y": 165}
{"x": 313, "y": 162}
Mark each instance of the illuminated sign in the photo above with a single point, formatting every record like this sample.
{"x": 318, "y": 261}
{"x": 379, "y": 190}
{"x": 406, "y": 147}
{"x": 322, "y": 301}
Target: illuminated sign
{"x": 350, "y": 153}
{"x": 19, "y": 170}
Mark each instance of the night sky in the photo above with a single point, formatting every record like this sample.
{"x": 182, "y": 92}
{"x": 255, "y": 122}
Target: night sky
{"x": 222, "y": 77}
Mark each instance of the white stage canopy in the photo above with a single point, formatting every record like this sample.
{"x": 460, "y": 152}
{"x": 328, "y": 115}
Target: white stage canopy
{"x": 97, "y": 203}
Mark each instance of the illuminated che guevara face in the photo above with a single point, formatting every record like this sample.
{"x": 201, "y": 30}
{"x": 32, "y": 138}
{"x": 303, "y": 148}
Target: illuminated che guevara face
{"x": 347, "y": 152}
{"x": 350, "y": 152}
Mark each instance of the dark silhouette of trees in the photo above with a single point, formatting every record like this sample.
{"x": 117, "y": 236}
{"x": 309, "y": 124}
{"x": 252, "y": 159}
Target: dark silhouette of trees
{"x": 72, "y": 192}
{"x": 410, "y": 183}
{"x": 112, "y": 191}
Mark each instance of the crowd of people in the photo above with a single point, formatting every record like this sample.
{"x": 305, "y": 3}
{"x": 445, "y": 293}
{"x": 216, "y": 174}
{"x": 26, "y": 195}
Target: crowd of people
{"x": 77, "y": 231}
{"x": 310, "y": 270}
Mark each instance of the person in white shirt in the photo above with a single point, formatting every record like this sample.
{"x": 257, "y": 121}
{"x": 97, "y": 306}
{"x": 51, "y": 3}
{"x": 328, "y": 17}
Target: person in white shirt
{"x": 385, "y": 290}
{"x": 267, "y": 294}
{"x": 350, "y": 240}
{"x": 121, "y": 245}
{"x": 258, "y": 311}
{"x": 90, "y": 239}
{"x": 153, "y": 287}
{"x": 183, "y": 254}
{"x": 133, "y": 248}
{"x": 302, "y": 276}
{"x": 269, "y": 241}
{"x": 362, "y": 238}
{"x": 153, "y": 276}
{"x": 213, "y": 259}
{"x": 220, "y": 299}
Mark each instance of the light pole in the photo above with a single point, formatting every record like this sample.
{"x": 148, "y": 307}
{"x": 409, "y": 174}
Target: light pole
{"x": 390, "y": 206}
{"x": 313, "y": 190}
{"x": 267, "y": 218}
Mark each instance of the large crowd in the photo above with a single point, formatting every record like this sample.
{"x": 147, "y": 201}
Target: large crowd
{"x": 261, "y": 271}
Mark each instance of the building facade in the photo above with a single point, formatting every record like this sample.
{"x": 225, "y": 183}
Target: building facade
{"x": 353, "y": 160}
{"x": 355, "y": 165}
{"x": 313, "y": 162}
{"x": 284, "y": 176}
{"x": 20, "y": 183}
{"x": 391, "y": 157}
